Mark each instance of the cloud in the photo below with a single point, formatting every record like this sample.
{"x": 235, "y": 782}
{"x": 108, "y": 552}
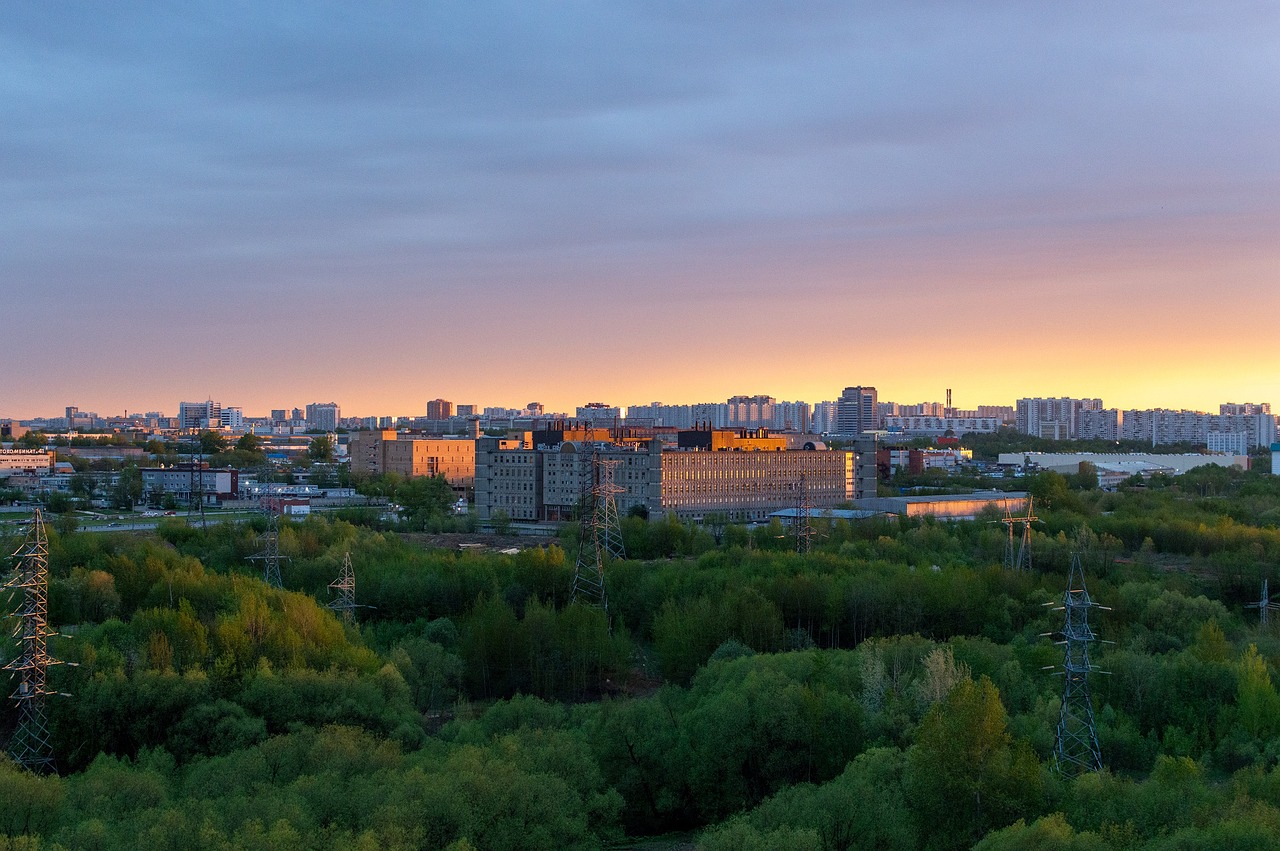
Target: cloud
{"x": 157, "y": 158}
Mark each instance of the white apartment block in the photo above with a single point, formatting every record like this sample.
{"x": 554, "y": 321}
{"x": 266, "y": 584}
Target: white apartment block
{"x": 1052, "y": 418}
{"x": 1164, "y": 426}
{"x": 942, "y": 425}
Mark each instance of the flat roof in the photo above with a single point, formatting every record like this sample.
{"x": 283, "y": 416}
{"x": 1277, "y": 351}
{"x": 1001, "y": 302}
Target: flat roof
{"x": 959, "y": 497}
{"x": 832, "y": 513}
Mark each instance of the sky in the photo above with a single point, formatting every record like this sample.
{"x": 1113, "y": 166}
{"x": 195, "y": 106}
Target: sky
{"x": 271, "y": 204}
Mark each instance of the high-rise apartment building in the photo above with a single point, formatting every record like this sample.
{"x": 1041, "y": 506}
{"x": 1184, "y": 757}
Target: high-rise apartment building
{"x": 1099, "y": 425}
{"x": 792, "y": 416}
{"x": 1244, "y": 408}
{"x": 598, "y": 412}
{"x": 1160, "y": 426}
{"x": 199, "y": 415}
{"x": 1053, "y": 418}
{"x": 323, "y": 416}
{"x": 857, "y": 411}
{"x": 439, "y": 409}
{"x": 751, "y": 411}
{"x": 823, "y": 417}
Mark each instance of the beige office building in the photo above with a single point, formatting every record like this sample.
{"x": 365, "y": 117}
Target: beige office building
{"x": 387, "y": 451}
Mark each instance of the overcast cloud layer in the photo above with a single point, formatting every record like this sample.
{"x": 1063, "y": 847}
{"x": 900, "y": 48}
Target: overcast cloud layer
{"x": 260, "y": 201}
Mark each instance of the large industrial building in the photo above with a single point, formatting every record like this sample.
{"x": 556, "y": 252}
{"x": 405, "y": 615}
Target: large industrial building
{"x": 182, "y": 480}
{"x": 387, "y": 451}
{"x": 23, "y": 460}
{"x": 1114, "y": 468}
{"x": 967, "y": 506}
{"x": 746, "y": 474}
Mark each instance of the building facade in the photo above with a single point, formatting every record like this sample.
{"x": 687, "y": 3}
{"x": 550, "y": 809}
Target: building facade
{"x": 740, "y": 476}
{"x": 857, "y": 411}
{"x": 1161, "y": 426}
{"x": 942, "y": 425}
{"x": 181, "y": 480}
{"x": 1100, "y": 425}
{"x": 1052, "y": 418}
{"x": 323, "y": 416}
{"x": 39, "y": 461}
{"x": 387, "y": 451}
{"x": 194, "y": 416}
{"x": 439, "y": 409}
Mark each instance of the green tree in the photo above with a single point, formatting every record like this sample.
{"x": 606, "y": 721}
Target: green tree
{"x": 1256, "y": 698}
{"x": 57, "y": 502}
{"x": 127, "y": 491}
{"x": 501, "y": 521}
{"x": 32, "y": 440}
{"x": 321, "y": 448}
{"x": 249, "y": 442}
{"x": 211, "y": 443}
{"x": 83, "y": 485}
{"x": 965, "y": 774}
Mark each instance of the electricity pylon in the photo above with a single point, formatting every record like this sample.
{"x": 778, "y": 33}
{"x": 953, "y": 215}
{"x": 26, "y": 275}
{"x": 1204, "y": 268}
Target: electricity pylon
{"x": 1264, "y": 604}
{"x": 804, "y": 532}
{"x": 344, "y": 591}
{"x": 195, "y": 497}
{"x": 30, "y": 746}
{"x": 269, "y": 555}
{"x": 1018, "y": 557}
{"x": 600, "y": 535}
{"x": 1076, "y": 748}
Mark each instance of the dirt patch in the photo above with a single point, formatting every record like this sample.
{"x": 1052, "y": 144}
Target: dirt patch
{"x": 482, "y": 541}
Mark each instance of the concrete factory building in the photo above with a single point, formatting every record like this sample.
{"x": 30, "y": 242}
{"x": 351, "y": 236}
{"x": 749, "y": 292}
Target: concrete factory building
{"x": 745, "y": 474}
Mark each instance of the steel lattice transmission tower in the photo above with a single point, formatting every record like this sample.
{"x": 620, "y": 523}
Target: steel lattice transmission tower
{"x": 269, "y": 555}
{"x": 1017, "y": 556}
{"x": 30, "y": 746}
{"x": 1076, "y": 748}
{"x": 600, "y": 535}
{"x": 344, "y": 590}
{"x": 1264, "y": 604}
{"x": 195, "y": 497}
{"x": 804, "y": 532}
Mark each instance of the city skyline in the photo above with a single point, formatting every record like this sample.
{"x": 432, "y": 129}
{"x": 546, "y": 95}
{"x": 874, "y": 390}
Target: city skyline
{"x": 421, "y": 411}
{"x": 494, "y": 203}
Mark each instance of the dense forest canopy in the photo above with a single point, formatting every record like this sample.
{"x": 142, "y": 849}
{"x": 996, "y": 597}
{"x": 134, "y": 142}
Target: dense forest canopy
{"x": 887, "y": 690}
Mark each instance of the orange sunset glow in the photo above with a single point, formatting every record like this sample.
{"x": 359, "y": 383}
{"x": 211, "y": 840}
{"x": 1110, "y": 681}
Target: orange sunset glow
{"x": 590, "y": 206}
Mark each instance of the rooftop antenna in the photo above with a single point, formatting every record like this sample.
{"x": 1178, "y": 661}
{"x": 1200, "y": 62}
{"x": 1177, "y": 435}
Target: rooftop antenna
{"x": 1076, "y": 747}
{"x": 30, "y": 746}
